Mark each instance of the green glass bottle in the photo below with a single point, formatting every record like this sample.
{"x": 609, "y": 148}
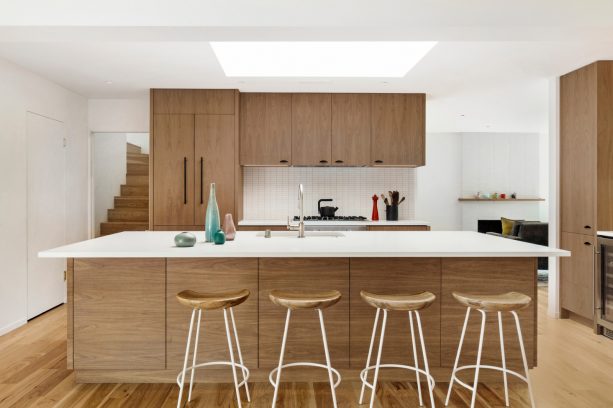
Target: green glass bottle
{"x": 212, "y": 221}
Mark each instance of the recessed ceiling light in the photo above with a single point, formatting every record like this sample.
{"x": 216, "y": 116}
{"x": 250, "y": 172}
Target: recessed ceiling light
{"x": 108, "y": 82}
{"x": 380, "y": 59}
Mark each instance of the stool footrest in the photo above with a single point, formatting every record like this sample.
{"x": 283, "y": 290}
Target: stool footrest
{"x": 306, "y": 364}
{"x": 217, "y": 363}
{"x": 364, "y": 372}
{"x": 487, "y": 367}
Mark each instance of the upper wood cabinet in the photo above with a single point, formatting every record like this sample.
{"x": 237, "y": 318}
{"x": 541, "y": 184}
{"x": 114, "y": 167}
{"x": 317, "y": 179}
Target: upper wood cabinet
{"x": 173, "y": 174}
{"x": 351, "y": 129}
{"x": 194, "y": 143}
{"x": 311, "y": 129}
{"x": 578, "y": 140}
{"x": 214, "y": 158}
{"x": 194, "y": 101}
{"x": 398, "y": 132}
{"x": 266, "y": 129}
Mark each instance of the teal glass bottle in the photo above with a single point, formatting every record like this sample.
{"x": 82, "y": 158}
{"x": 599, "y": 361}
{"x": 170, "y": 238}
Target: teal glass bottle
{"x": 212, "y": 221}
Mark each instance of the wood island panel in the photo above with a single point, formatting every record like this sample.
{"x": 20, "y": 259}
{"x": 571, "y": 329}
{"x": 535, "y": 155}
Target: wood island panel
{"x": 487, "y": 276}
{"x": 395, "y": 276}
{"x": 399, "y": 228}
{"x": 304, "y": 338}
{"x": 119, "y": 313}
{"x": 70, "y": 313}
{"x": 211, "y": 275}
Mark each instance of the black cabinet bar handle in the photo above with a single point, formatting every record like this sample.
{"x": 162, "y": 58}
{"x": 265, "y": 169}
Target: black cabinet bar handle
{"x": 283, "y": 161}
{"x": 338, "y": 161}
{"x": 587, "y": 227}
{"x": 185, "y": 180}
{"x": 587, "y": 243}
{"x": 201, "y": 180}
{"x": 323, "y": 161}
{"x": 379, "y": 161}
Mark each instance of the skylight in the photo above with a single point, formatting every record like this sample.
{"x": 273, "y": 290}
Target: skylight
{"x": 378, "y": 59}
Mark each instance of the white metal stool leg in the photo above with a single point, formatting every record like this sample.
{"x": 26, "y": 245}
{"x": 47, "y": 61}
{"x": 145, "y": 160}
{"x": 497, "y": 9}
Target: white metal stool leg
{"x": 189, "y": 338}
{"x": 372, "y": 343}
{"x": 523, "y": 356}
{"x": 504, "y": 361}
{"x": 414, "y": 342}
{"x": 325, "y": 340}
{"x": 240, "y": 355}
{"x": 476, "y": 382}
{"x": 274, "y": 398}
{"x": 196, "y": 340}
{"x": 374, "y": 382}
{"x": 457, "y": 357}
{"x": 238, "y": 394}
{"x": 426, "y": 365}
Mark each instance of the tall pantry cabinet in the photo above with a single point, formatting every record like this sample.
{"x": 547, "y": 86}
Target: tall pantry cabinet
{"x": 586, "y": 179}
{"x": 194, "y": 143}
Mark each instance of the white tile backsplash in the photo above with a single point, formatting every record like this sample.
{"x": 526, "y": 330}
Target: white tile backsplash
{"x": 272, "y": 192}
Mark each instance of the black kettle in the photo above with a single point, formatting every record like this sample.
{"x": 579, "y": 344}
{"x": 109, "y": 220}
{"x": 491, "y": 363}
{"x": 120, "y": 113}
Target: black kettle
{"x": 326, "y": 211}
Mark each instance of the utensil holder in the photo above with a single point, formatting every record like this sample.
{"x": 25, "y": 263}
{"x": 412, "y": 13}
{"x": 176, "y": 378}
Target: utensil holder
{"x": 391, "y": 212}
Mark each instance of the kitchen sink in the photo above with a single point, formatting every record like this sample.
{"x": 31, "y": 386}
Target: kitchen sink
{"x": 308, "y": 234}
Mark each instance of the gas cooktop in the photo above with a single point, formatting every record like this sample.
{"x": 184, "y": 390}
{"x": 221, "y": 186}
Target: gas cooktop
{"x": 335, "y": 218}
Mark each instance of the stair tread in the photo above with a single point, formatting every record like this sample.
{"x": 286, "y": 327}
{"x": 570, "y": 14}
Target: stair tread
{"x": 126, "y": 222}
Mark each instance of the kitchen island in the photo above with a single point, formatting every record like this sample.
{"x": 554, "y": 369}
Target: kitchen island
{"x": 125, "y": 325}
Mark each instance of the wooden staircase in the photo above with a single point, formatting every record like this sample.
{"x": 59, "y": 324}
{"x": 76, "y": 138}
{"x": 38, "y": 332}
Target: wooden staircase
{"x": 131, "y": 208}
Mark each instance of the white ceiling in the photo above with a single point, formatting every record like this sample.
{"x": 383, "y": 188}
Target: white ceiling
{"x": 492, "y": 63}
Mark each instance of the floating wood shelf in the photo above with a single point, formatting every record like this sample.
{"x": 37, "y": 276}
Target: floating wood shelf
{"x": 504, "y": 200}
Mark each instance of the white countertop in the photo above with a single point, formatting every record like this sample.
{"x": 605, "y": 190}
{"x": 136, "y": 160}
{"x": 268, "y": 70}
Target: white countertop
{"x": 608, "y": 234}
{"x": 160, "y": 244}
{"x": 257, "y": 223}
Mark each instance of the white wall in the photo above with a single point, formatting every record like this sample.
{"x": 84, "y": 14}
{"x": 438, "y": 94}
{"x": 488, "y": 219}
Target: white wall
{"x": 119, "y": 115}
{"x": 24, "y": 91}
{"x": 109, "y": 172}
{"x": 271, "y": 193}
{"x": 439, "y": 182}
{"x": 500, "y": 163}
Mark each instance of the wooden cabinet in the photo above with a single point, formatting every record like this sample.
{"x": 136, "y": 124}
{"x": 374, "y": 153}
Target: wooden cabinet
{"x": 211, "y": 275}
{"x": 398, "y": 133}
{"x": 304, "y": 339}
{"x": 173, "y": 174}
{"x": 351, "y": 129}
{"x": 399, "y": 228}
{"x": 194, "y": 143}
{"x": 119, "y": 314}
{"x": 214, "y": 156}
{"x": 487, "y": 275}
{"x": 577, "y": 274}
{"x": 586, "y": 178}
{"x": 578, "y": 142}
{"x": 393, "y": 276}
{"x": 266, "y": 129}
{"x": 311, "y": 129}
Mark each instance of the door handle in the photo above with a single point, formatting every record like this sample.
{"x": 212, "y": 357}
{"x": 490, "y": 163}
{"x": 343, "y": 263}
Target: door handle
{"x": 185, "y": 180}
{"x": 201, "y": 180}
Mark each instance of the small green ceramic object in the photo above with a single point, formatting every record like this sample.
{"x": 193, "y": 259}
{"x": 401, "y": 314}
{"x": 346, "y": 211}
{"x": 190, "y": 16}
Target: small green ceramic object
{"x": 219, "y": 238}
{"x": 185, "y": 239}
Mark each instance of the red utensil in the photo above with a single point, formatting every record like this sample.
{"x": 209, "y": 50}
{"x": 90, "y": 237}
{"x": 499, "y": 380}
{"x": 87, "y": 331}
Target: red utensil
{"x": 375, "y": 210}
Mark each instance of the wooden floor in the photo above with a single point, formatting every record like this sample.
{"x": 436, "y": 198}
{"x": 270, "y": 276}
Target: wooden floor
{"x": 575, "y": 370}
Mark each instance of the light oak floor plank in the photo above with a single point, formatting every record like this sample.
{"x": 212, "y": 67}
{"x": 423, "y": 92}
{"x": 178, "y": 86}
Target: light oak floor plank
{"x": 574, "y": 371}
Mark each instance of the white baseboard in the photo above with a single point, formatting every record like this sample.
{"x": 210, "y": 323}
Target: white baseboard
{"x": 12, "y": 326}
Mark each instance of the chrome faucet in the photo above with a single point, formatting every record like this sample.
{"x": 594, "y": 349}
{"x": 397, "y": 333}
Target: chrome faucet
{"x": 300, "y": 227}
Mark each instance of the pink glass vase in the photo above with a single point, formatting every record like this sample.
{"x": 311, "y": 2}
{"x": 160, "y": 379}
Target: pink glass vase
{"x": 229, "y": 228}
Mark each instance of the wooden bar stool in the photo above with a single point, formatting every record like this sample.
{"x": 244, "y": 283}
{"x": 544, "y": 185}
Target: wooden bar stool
{"x": 507, "y": 302}
{"x": 305, "y": 300}
{"x": 213, "y": 301}
{"x": 405, "y": 303}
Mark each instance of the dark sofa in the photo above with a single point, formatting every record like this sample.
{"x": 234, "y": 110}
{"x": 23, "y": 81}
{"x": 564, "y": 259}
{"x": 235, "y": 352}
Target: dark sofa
{"x": 535, "y": 232}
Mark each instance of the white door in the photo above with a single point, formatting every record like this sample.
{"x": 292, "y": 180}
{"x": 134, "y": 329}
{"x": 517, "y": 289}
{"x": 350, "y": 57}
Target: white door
{"x": 46, "y": 212}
